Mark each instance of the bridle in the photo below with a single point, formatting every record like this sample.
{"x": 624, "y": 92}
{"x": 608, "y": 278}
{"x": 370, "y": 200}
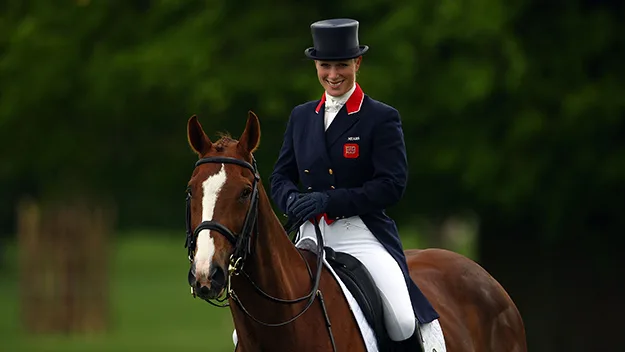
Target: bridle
{"x": 242, "y": 242}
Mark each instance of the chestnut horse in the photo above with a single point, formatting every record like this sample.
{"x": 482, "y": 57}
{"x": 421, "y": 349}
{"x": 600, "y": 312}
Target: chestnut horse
{"x": 280, "y": 298}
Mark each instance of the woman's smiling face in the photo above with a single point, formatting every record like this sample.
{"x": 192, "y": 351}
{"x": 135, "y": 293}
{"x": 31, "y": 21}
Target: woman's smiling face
{"x": 337, "y": 77}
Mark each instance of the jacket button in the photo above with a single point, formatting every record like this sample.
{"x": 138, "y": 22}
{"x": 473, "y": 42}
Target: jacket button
{"x": 306, "y": 171}
{"x": 332, "y": 187}
{"x": 309, "y": 187}
{"x": 330, "y": 171}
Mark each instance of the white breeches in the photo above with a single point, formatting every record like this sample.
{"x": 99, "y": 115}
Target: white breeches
{"x": 352, "y": 236}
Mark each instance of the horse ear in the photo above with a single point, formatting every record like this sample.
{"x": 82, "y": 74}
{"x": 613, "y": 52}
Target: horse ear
{"x": 250, "y": 138}
{"x": 198, "y": 140}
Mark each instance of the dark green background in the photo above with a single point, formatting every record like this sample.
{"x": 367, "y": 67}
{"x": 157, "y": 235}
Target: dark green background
{"x": 513, "y": 114}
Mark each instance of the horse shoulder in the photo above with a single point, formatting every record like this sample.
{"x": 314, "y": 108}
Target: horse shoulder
{"x": 343, "y": 323}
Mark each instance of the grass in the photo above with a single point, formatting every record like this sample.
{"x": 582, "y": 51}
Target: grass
{"x": 151, "y": 308}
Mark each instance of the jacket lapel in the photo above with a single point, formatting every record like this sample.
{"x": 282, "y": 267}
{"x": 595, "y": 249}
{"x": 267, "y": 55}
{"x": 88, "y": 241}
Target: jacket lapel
{"x": 346, "y": 117}
{"x": 341, "y": 124}
{"x": 317, "y": 131}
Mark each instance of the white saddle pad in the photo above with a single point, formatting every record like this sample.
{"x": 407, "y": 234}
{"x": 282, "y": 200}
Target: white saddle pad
{"x": 432, "y": 337}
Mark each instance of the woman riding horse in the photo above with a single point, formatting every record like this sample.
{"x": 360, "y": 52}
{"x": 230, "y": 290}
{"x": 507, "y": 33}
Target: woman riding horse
{"x": 347, "y": 151}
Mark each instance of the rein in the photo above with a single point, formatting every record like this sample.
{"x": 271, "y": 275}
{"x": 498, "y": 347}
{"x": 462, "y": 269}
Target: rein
{"x": 242, "y": 242}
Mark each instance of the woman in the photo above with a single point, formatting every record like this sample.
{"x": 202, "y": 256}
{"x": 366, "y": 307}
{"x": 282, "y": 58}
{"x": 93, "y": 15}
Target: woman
{"x": 347, "y": 150}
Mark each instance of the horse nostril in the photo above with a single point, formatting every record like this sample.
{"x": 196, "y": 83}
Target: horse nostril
{"x": 217, "y": 276}
{"x": 204, "y": 290}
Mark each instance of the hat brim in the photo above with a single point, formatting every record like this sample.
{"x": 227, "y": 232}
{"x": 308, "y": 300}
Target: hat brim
{"x": 311, "y": 53}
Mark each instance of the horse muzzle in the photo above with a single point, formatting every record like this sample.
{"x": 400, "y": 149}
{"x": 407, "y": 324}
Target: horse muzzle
{"x": 208, "y": 286}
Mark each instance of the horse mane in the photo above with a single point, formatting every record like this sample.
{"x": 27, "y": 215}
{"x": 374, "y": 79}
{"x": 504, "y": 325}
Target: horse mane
{"x": 225, "y": 139}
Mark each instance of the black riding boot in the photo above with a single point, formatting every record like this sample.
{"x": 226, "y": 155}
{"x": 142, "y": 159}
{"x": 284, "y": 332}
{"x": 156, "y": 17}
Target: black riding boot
{"x": 413, "y": 343}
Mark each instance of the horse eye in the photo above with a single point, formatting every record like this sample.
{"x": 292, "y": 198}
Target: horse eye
{"x": 246, "y": 193}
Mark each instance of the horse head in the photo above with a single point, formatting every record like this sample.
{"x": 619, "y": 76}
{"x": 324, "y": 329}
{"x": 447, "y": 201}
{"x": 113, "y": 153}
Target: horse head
{"x": 222, "y": 205}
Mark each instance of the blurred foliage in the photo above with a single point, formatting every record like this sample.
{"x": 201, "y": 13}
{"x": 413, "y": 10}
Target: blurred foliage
{"x": 516, "y": 106}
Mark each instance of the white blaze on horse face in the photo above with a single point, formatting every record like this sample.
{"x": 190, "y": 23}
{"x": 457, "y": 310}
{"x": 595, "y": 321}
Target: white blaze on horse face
{"x": 205, "y": 243}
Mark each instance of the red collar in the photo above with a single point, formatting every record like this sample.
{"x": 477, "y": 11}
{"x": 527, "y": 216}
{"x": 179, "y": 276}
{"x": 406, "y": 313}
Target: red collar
{"x": 353, "y": 104}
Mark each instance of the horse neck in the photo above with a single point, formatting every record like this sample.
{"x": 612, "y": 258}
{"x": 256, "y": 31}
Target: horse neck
{"x": 279, "y": 270}
{"x": 275, "y": 265}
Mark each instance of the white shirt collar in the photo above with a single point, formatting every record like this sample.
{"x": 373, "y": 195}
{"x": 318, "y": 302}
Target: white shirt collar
{"x": 338, "y": 102}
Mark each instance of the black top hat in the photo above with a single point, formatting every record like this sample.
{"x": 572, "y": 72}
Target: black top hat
{"x": 335, "y": 39}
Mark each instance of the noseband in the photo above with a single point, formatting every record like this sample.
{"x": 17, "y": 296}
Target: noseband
{"x": 243, "y": 247}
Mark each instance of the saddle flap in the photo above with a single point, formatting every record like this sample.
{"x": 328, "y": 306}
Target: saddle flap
{"x": 330, "y": 255}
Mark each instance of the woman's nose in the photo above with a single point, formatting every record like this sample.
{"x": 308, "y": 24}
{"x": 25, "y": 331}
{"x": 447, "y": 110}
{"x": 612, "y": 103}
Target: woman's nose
{"x": 333, "y": 73}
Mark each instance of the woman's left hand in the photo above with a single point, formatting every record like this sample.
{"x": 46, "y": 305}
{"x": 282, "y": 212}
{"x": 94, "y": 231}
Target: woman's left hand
{"x": 309, "y": 205}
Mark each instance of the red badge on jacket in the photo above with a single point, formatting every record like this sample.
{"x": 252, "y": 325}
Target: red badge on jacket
{"x": 350, "y": 150}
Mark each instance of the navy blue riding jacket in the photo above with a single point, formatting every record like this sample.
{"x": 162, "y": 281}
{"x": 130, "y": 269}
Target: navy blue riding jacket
{"x": 360, "y": 162}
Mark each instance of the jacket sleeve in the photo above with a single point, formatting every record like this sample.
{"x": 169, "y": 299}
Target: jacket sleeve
{"x": 388, "y": 183}
{"x": 285, "y": 176}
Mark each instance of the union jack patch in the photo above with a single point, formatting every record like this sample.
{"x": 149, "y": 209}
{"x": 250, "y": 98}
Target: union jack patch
{"x": 350, "y": 151}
